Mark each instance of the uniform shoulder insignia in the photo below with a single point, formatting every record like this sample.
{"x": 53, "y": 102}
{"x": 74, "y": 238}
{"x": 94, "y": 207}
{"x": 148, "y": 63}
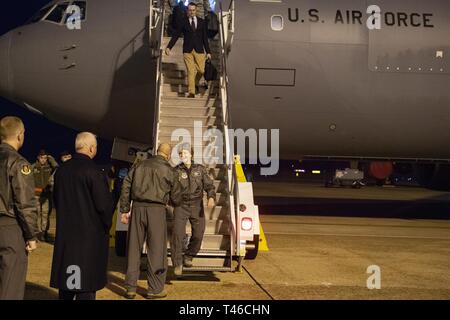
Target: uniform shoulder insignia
{"x": 26, "y": 170}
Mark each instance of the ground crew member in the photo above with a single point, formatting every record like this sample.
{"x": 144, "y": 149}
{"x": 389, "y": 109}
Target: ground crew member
{"x": 43, "y": 170}
{"x": 150, "y": 184}
{"x": 194, "y": 180}
{"x": 18, "y": 210}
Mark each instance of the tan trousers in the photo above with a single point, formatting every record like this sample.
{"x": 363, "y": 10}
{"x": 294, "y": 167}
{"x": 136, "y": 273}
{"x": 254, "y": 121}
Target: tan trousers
{"x": 195, "y": 65}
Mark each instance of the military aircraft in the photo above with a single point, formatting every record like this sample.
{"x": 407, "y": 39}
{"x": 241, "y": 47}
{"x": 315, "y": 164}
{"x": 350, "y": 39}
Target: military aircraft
{"x": 345, "y": 79}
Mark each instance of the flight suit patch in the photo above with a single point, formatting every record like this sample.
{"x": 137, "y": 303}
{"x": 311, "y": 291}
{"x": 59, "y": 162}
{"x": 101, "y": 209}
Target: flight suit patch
{"x": 25, "y": 170}
{"x": 184, "y": 175}
{"x": 196, "y": 174}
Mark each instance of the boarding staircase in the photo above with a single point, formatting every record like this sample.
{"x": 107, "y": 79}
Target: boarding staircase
{"x": 202, "y": 113}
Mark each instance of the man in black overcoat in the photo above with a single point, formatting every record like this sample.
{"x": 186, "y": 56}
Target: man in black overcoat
{"x": 84, "y": 210}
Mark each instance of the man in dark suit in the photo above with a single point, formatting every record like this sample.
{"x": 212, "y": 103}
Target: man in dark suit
{"x": 194, "y": 46}
{"x": 84, "y": 209}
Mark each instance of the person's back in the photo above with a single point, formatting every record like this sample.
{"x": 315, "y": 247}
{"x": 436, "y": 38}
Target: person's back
{"x": 8, "y": 156}
{"x": 10, "y": 160}
{"x": 152, "y": 181}
{"x": 18, "y": 216}
{"x": 149, "y": 185}
{"x": 75, "y": 178}
{"x": 84, "y": 209}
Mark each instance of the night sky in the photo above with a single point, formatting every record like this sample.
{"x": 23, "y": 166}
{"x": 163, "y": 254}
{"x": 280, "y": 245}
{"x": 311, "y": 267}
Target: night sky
{"x": 40, "y": 132}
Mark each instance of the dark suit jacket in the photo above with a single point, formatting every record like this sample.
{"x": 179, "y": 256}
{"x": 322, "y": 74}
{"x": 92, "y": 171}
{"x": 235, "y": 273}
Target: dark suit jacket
{"x": 84, "y": 210}
{"x": 193, "y": 40}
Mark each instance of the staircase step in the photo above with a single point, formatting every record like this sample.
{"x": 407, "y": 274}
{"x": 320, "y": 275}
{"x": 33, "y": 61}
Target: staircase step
{"x": 177, "y": 51}
{"x": 197, "y": 112}
{"x": 216, "y": 213}
{"x": 168, "y": 87}
{"x": 206, "y": 269}
{"x": 212, "y": 227}
{"x": 171, "y": 67}
{"x": 182, "y": 119}
{"x": 216, "y": 242}
{"x": 199, "y": 96}
{"x": 177, "y": 66}
{"x": 206, "y": 146}
{"x": 184, "y": 102}
{"x": 170, "y": 129}
{"x": 213, "y": 253}
{"x": 175, "y": 80}
{"x": 182, "y": 80}
{"x": 175, "y": 74}
{"x": 220, "y": 210}
{"x": 167, "y": 138}
{"x": 218, "y": 173}
{"x": 200, "y": 263}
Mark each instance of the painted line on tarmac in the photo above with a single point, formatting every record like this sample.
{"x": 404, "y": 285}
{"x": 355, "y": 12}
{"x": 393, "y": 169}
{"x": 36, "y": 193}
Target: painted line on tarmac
{"x": 258, "y": 283}
{"x": 355, "y": 225}
{"x": 352, "y": 235}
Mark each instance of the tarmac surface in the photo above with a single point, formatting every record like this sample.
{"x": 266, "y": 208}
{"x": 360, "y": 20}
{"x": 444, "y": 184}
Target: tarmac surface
{"x": 313, "y": 257}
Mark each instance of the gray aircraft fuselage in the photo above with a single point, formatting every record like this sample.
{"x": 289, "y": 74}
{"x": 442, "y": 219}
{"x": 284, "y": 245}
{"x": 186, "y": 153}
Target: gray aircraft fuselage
{"x": 332, "y": 86}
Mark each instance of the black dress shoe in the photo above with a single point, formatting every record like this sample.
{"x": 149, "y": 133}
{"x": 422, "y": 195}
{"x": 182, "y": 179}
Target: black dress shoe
{"x": 191, "y": 95}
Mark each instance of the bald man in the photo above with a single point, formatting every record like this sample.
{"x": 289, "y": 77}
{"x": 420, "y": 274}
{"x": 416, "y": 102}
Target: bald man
{"x": 150, "y": 184}
{"x": 18, "y": 210}
{"x": 84, "y": 210}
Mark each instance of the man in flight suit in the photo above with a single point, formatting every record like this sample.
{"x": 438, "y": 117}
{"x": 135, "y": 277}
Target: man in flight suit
{"x": 18, "y": 211}
{"x": 43, "y": 170}
{"x": 150, "y": 184}
{"x": 194, "y": 180}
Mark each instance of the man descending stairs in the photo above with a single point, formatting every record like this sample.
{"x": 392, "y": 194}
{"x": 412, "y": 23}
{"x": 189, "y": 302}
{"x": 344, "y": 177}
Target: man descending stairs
{"x": 182, "y": 117}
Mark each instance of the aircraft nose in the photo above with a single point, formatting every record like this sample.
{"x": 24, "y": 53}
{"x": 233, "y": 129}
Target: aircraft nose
{"x": 5, "y": 83}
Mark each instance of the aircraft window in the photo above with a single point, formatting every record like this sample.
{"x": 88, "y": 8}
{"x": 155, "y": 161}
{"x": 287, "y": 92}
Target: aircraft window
{"x": 58, "y": 13}
{"x": 40, "y": 14}
{"x": 277, "y": 23}
{"x": 82, "y": 6}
